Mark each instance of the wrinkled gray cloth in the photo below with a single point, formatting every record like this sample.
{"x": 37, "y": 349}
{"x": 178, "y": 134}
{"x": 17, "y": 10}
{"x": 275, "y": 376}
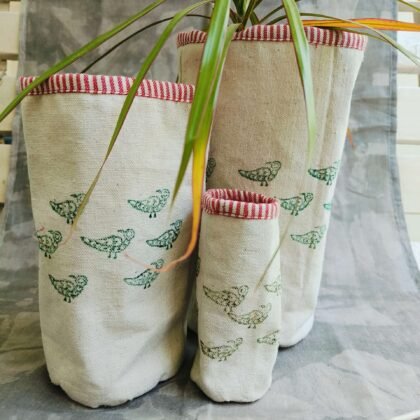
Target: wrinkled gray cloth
{"x": 361, "y": 361}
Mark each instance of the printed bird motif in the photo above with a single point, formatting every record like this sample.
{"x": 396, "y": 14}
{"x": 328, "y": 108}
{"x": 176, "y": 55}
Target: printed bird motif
{"x": 253, "y": 318}
{"x": 228, "y": 299}
{"x": 49, "y": 242}
{"x": 221, "y": 353}
{"x": 297, "y": 204}
{"x": 326, "y": 174}
{"x": 147, "y": 277}
{"x": 153, "y": 204}
{"x": 270, "y": 339}
{"x": 70, "y": 289}
{"x": 113, "y": 244}
{"x": 263, "y": 175}
{"x": 312, "y": 238}
{"x": 68, "y": 208}
{"x": 211, "y": 165}
{"x": 167, "y": 238}
{"x": 274, "y": 287}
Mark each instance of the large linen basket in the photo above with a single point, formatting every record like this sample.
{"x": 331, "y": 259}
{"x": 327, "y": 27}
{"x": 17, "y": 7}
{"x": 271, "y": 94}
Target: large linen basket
{"x": 259, "y": 142}
{"x": 112, "y": 326}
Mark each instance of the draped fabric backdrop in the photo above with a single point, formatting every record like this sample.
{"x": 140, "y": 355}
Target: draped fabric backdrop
{"x": 361, "y": 361}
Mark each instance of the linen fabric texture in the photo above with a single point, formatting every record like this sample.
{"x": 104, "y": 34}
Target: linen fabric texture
{"x": 112, "y": 326}
{"x": 238, "y": 295}
{"x": 259, "y": 142}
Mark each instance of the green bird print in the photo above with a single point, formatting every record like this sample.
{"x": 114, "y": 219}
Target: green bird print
{"x": 274, "y": 287}
{"x": 312, "y": 238}
{"x": 211, "y": 166}
{"x": 296, "y": 204}
{"x": 270, "y": 339}
{"x": 113, "y": 244}
{"x": 263, "y": 175}
{"x": 228, "y": 299}
{"x": 69, "y": 288}
{"x": 153, "y": 204}
{"x": 167, "y": 239}
{"x": 147, "y": 277}
{"x": 326, "y": 174}
{"x": 253, "y": 318}
{"x": 68, "y": 208}
{"x": 223, "y": 352}
{"x": 49, "y": 242}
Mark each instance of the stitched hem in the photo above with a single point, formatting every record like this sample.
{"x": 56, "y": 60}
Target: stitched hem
{"x": 109, "y": 85}
{"x": 281, "y": 33}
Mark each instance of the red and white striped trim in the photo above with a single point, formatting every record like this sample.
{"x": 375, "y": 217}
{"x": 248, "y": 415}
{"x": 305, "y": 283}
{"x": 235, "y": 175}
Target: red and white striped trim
{"x": 109, "y": 85}
{"x": 240, "y": 204}
{"x": 281, "y": 33}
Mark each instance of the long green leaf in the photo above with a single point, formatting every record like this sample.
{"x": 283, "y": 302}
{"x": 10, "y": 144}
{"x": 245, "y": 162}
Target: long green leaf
{"x": 255, "y": 20}
{"x": 384, "y": 37}
{"x": 234, "y": 16}
{"x": 277, "y": 19}
{"x": 249, "y": 11}
{"x": 200, "y": 149}
{"x": 303, "y": 58}
{"x": 412, "y": 6}
{"x": 134, "y": 34}
{"x": 132, "y": 94}
{"x": 273, "y": 12}
{"x": 241, "y": 6}
{"x": 76, "y": 55}
{"x": 213, "y": 50}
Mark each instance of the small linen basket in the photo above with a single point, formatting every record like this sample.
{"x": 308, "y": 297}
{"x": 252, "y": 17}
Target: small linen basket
{"x": 261, "y": 96}
{"x": 112, "y": 326}
{"x": 238, "y": 295}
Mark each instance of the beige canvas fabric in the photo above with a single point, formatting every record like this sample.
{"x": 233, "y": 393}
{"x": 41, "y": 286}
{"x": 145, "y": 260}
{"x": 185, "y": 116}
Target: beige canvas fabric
{"x": 259, "y": 143}
{"x": 238, "y": 295}
{"x": 111, "y": 328}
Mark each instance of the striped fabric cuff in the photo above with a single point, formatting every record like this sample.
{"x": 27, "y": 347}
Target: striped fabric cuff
{"x": 240, "y": 204}
{"x": 109, "y": 85}
{"x": 281, "y": 33}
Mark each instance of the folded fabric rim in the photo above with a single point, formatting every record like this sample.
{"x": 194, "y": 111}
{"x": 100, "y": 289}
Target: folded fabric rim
{"x": 240, "y": 204}
{"x": 282, "y": 33}
{"x": 109, "y": 85}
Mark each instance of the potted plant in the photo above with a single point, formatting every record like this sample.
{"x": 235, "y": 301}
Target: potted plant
{"x": 207, "y": 64}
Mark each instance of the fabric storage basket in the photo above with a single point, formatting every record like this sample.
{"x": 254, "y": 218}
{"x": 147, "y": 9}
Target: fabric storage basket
{"x": 238, "y": 295}
{"x": 261, "y": 97}
{"x": 112, "y": 326}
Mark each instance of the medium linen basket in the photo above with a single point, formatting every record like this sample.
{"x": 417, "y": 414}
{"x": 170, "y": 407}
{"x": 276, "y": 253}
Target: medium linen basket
{"x": 261, "y": 96}
{"x": 112, "y": 326}
{"x": 238, "y": 295}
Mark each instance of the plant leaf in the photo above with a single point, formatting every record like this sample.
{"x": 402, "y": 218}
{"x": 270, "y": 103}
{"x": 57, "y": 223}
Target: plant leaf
{"x": 249, "y": 10}
{"x": 303, "y": 58}
{"x": 373, "y": 23}
{"x": 138, "y": 32}
{"x": 383, "y": 37}
{"x": 200, "y": 148}
{"x": 241, "y": 6}
{"x": 273, "y": 12}
{"x": 212, "y": 53}
{"x": 132, "y": 94}
{"x": 76, "y": 55}
{"x": 412, "y": 6}
{"x": 254, "y": 19}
